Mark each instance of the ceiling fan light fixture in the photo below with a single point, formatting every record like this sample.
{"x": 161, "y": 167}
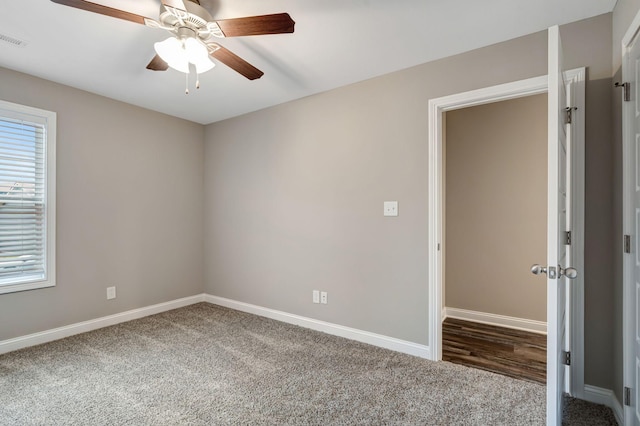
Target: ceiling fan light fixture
{"x": 188, "y": 19}
{"x": 179, "y": 53}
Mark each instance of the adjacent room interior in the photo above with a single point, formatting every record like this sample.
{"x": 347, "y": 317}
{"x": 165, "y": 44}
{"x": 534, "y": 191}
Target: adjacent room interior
{"x": 495, "y": 228}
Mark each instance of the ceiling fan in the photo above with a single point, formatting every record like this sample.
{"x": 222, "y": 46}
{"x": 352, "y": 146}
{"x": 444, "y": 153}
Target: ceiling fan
{"x": 193, "y": 31}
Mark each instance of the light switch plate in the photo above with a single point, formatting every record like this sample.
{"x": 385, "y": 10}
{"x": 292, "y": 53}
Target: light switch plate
{"x": 391, "y": 208}
{"x": 111, "y": 292}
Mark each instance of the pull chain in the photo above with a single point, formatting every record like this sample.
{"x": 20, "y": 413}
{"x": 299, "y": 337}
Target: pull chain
{"x": 186, "y": 89}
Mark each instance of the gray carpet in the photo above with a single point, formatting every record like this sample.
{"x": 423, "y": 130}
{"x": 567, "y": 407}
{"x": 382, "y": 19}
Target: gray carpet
{"x": 204, "y": 364}
{"x": 582, "y": 413}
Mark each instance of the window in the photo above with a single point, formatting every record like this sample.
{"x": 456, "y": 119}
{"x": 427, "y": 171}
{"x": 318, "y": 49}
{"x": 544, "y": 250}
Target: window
{"x": 27, "y": 197}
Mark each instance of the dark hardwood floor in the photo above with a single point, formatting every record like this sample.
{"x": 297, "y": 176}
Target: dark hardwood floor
{"x": 514, "y": 353}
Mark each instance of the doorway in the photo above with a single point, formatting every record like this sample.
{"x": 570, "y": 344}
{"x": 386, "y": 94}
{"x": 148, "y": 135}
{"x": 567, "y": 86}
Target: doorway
{"x": 495, "y": 214}
{"x": 437, "y": 109}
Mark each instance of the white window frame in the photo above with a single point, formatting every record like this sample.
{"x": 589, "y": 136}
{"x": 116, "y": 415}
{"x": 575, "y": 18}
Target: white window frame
{"x": 48, "y": 120}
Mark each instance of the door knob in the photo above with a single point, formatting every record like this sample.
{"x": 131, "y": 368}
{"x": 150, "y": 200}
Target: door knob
{"x": 570, "y": 273}
{"x": 537, "y": 269}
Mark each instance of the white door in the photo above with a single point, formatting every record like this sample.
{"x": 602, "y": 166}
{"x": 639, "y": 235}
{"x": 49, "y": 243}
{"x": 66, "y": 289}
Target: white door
{"x": 559, "y": 195}
{"x": 631, "y": 111}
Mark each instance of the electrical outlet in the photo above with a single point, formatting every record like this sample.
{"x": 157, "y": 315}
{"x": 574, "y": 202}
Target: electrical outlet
{"x": 316, "y": 296}
{"x": 111, "y": 293}
{"x": 391, "y": 208}
{"x": 323, "y": 297}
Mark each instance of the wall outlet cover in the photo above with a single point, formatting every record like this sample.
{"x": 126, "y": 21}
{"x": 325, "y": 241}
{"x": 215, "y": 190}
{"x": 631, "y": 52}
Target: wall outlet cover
{"x": 391, "y": 208}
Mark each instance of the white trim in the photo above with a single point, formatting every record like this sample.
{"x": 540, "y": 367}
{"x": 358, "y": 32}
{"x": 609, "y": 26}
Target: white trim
{"x": 628, "y": 225}
{"x": 437, "y": 107}
{"x": 488, "y": 95}
{"x": 436, "y": 244}
{"x": 523, "y": 324}
{"x": 386, "y": 342}
{"x": 94, "y": 324}
{"x": 604, "y": 397}
{"x": 556, "y": 373}
{"x": 577, "y": 79}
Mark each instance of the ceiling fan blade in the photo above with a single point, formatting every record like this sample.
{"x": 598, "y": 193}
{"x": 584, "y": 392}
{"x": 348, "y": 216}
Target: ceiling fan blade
{"x": 102, "y": 10}
{"x": 157, "y": 64}
{"x": 236, "y": 63}
{"x": 278, "y": 23}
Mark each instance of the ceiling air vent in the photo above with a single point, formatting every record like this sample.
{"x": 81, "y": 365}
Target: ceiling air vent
{"x": 12, "y": 40}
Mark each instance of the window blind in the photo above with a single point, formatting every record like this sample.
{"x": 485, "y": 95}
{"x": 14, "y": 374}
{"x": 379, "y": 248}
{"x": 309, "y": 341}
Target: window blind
{"x": 22, "y": 201}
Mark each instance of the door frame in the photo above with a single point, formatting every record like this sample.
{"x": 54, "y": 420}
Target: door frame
{"x": 503, "y": 92}
{"x": 628, "y": 189}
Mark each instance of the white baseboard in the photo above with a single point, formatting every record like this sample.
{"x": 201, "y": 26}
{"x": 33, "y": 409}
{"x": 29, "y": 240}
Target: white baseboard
{"x": 386, "y": 342}
{"x": 605, "y": 397}
{"x": 499, "y": 320}
{"x": 403, "y": 346}
{"x": 82, "y": 327}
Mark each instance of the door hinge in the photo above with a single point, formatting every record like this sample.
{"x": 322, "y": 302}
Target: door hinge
{"x": 566, "y": 357}
{"x": 567, "y": 238}
{"x": 627, "y": 243}
{"x": 627, "y": 396}
{"x": 567, "y": 114}
{"x": 626, "y": 87}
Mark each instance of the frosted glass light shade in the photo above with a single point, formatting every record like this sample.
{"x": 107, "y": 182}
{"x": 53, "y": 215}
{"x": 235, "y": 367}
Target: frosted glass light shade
{"x": 198, "y": 55}
{"x": 179, "y": 53}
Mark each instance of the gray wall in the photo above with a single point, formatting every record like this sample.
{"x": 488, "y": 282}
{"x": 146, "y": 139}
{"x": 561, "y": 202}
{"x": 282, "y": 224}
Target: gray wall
{"x": 496, "y": 207}
{"x": 129, "y": 208}
{"x": 598, "y": 253}
{"x": 293, "y": 193}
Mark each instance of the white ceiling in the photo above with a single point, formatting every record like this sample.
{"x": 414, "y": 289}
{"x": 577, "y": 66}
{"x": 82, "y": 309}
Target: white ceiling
{"x": 335, "y": 43}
